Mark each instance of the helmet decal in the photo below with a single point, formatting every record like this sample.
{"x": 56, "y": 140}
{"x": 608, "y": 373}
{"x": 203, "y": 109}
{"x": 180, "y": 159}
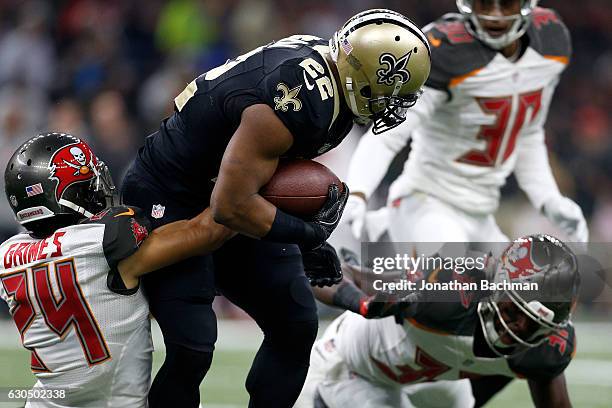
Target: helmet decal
{"x": 73, "y": 163}
{"x": 519, "y": 261}
{"x": 394, "y": 68}
{"x": 346, "y": 46}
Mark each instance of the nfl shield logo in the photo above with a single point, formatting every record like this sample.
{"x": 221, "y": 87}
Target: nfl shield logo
{"x": 158, "y": 211}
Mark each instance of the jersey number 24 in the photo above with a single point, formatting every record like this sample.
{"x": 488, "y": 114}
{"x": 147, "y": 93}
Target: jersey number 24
{"x": 60, "y": 311}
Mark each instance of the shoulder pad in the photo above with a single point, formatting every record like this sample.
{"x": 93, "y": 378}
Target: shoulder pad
{"x": 305, "y": 108}
{"x": 110, "y": 214}
{"x": 455, "y": 53}
{"x": 549, "y": 359}
{"x": 450, "y": 28}
{"x": 126, "y": 227}
{"x": 548, "y": 35}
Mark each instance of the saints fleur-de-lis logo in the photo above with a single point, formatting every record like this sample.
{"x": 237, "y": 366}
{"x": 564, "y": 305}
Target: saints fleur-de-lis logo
{"x": 393, "y": 68}
{"x": 289, "y": 97}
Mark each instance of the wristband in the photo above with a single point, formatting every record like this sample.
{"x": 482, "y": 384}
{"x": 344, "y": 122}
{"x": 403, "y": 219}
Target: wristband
{"x": 289, "y": 229}
{"x": 348, "y": 297}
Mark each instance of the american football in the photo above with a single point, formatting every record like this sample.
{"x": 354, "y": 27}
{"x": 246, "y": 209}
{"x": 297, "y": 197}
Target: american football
{"x": 300, "y": 187}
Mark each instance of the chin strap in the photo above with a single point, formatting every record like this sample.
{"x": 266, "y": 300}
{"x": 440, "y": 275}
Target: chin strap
{"x": 398, "y": 87}
{"x": 351, "y": 95}
{"x": 75, "y": 207}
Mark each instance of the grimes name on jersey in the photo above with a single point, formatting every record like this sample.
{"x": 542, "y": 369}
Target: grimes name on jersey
{"x": 453, "y": 285}
{"x": 21, "y": 253}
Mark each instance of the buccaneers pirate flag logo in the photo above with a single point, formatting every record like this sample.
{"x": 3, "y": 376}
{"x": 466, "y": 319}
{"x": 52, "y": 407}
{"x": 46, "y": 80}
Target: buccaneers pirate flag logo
{"x": 519, "y": 260}
{"x": 73, "y": 163}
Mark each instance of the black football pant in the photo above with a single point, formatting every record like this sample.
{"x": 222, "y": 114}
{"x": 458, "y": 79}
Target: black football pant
{"x": 265, "y": 279}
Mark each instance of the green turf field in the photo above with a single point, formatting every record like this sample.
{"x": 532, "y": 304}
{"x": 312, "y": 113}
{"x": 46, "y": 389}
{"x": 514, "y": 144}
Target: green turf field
{"x": 589, "y": 375}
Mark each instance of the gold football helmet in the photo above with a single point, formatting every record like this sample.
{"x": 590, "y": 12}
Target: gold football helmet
{"x": 383, "y": 60}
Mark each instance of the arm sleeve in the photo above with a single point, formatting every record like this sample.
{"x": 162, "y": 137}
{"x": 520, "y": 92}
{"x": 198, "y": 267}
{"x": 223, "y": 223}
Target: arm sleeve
{"x": 532, "y": 168}
{"x": 374, "y": 153}
{"x": 547, "y": 361}
{"x": 533, "y": 171}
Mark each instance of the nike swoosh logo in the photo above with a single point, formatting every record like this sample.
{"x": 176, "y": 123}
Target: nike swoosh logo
{"x": 128, "y": 213}
{"x": 309, "y": 86}
{"x": 433, "y": 40}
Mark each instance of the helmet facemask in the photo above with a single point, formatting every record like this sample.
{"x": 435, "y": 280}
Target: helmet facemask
{"x": 389, "y": 112}
{"x": 92, "y": 196}
{"x": 497, "y": 325}
{"x": 520, "y": 22}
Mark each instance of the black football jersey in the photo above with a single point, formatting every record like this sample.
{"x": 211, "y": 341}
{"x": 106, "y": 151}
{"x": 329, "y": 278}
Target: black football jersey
{"x": 291, "y": 76}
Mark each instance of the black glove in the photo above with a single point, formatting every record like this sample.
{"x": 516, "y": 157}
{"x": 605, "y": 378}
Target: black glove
{"x": 325, "y": 221}
{"x": 381, "y": 304}
{"x": 384, "y": 304}
{"x": 322, "y": 266}
{"x": 409, "y": 305}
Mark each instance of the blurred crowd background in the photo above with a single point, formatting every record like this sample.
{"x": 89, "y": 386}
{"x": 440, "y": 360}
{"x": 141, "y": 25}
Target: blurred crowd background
{"x": 108, "y": 71}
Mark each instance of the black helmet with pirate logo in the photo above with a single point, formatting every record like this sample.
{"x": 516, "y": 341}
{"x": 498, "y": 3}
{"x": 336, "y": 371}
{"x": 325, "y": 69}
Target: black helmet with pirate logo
{"x": 514, "y": 318}
{"x": 54, "y": 180}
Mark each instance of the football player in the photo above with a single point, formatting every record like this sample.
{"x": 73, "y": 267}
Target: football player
{"x": 297, "y": 97}
{"x": 487, "y": 337}
{"x": 71, "y": 282}
{"x": 481, "y": 117}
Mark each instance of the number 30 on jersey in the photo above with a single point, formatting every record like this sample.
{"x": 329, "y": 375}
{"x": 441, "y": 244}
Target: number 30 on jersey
{"x": 501, "y": 136}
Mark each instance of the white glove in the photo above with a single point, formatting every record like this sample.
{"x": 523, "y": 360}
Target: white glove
{"x": 354, "y": 214}
{"x": 377, "y": 223}
{"x": 567, "y": 215}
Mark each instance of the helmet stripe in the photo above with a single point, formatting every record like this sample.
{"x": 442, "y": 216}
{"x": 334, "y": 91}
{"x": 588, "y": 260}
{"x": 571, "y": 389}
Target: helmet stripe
{"x": 388, "y": 16}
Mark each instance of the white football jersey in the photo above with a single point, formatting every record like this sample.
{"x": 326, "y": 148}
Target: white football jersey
{"x": 393, "y": 355}
{"x": 443, "y": 340}
{"x": 481, "y": 116}
{"x": 84, "y": 338}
